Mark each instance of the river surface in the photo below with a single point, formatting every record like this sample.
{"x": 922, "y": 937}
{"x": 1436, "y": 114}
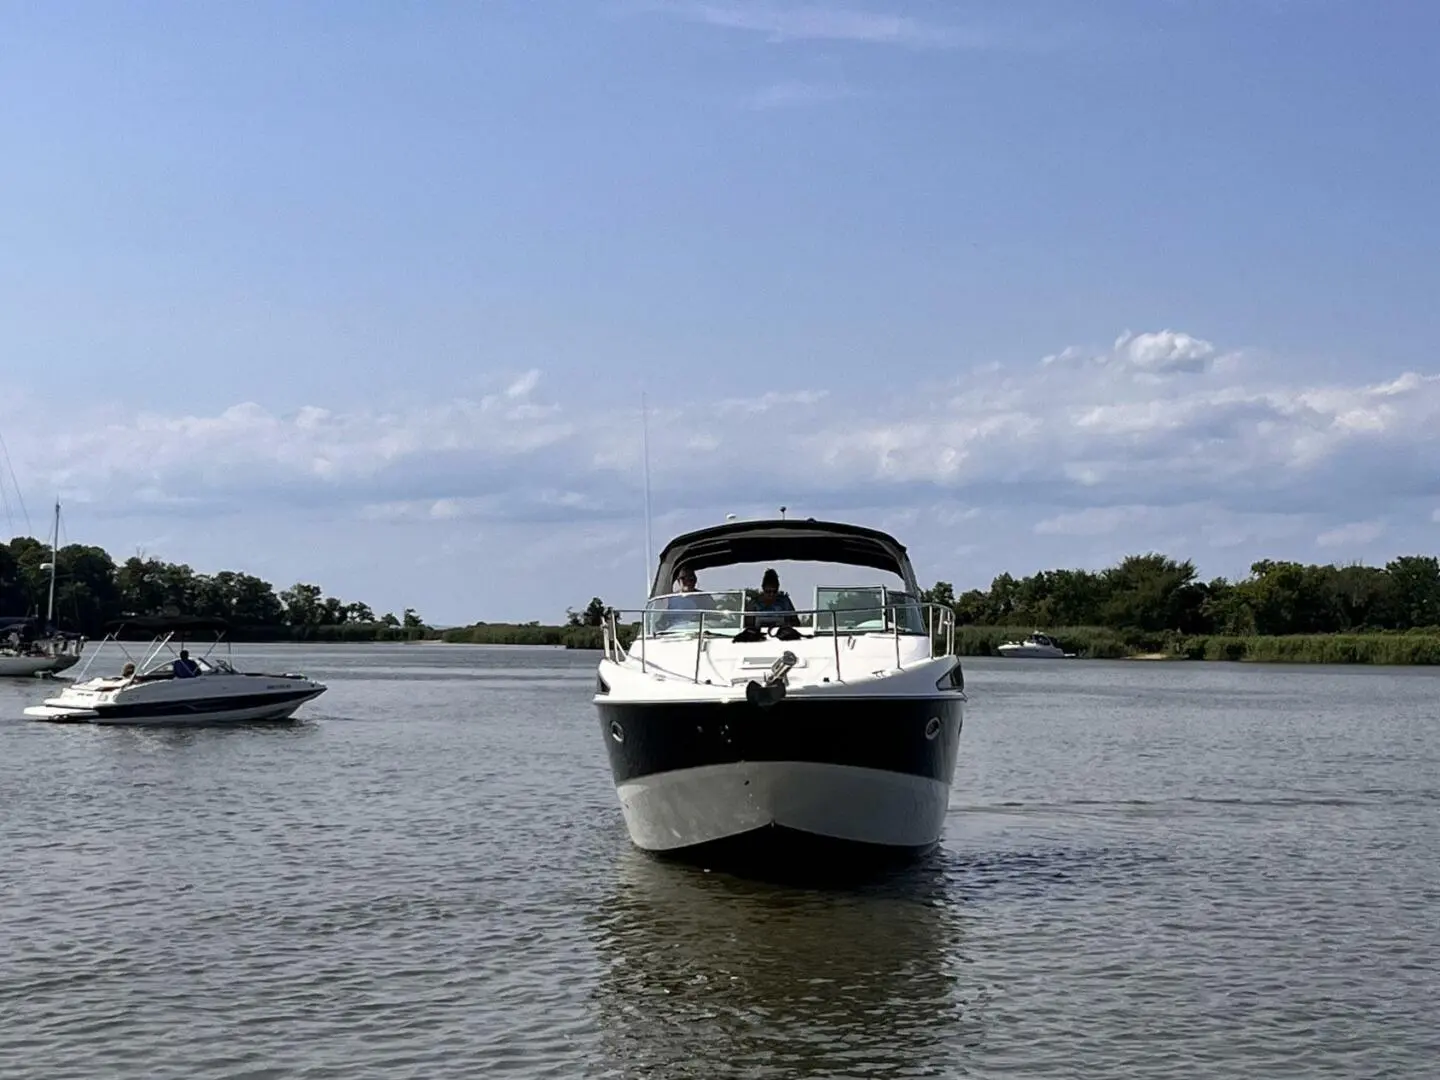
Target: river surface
{"x": 1149, "y": 870}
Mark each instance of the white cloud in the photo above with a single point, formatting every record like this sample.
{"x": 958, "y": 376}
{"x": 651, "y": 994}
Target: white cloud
{"x": 1164, "y": 352}
{"x": 1049, "y": 464}
{"x": 522, "y": 386}
{"x": 1147, "y": 356}
{"x": 1072, "y": 436}
{"x": 773, "y": 400}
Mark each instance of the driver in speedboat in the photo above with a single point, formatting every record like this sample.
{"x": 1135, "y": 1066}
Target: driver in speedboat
{"x": 184, "y": 667}
{"x": 686, "y": 598}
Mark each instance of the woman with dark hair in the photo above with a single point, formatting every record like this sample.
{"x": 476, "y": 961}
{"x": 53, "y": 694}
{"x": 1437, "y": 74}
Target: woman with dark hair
{"x": 772, "y": 607}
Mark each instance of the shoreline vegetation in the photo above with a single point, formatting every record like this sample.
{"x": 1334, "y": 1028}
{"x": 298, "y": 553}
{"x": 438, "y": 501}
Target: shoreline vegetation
{"x": 1086, "y": 642}
{"x": 1147, "y": 607}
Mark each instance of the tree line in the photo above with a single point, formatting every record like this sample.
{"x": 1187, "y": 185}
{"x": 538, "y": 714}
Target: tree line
{"x": 1153, "y": 593}
{"x": 92, "y": 590}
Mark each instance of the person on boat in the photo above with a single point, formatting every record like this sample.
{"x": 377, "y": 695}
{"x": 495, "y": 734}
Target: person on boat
{"x": 184, "y": 667}
{"x": 685, "y": 598}
{"x": 690, "y": 596}
{"x": 772, "y": 607}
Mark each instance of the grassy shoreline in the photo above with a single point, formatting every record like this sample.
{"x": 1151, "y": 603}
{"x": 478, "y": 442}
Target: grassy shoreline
{"x": 1390, "y": 647}
{"x": 1402, "y": 647}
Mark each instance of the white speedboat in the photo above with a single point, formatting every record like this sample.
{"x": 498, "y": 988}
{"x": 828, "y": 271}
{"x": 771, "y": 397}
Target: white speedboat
{"x": 841, "y": 728}
{"x": 155, "y": 692}
{"x": 1036, "y": 646}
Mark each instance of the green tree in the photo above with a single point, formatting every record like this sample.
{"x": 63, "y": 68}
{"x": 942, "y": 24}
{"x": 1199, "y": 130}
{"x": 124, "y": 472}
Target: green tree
{"x": 303, "y": 605}
{"x": 1416, "y": 589}
{"x": 86, "y": 588}
{"x": 942, "y": 592}
{"x": 595, "y": 611}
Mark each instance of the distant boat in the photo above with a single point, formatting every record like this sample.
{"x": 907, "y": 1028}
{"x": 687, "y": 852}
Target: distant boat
{"x": 1037, "y": 646}
{"x": 26, "y": 647}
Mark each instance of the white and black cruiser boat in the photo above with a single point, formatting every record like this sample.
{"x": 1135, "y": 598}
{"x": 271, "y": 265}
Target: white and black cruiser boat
{"x": 155, "y": 691}
{"x": 1036, "y": 646}
{"x": 729, "y": 725}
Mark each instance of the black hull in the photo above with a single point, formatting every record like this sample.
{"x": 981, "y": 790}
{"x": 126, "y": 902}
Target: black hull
{"x": 915, "y": 736}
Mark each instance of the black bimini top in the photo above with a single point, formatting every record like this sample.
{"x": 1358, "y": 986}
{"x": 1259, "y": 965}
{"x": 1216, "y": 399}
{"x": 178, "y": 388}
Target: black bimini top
{"x": 166, "y": 624}
{"x": 781, "y": 539}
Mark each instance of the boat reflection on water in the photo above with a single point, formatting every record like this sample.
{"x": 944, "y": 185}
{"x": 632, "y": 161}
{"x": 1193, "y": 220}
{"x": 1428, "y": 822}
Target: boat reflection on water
{"x": 707, "y": 975}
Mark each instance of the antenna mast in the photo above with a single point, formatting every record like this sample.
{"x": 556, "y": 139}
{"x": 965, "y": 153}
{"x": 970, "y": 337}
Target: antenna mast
{"x": 645, "y": 453}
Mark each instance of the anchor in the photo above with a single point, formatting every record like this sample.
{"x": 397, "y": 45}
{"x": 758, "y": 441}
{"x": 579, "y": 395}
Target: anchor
{"x": 772, "y": 689}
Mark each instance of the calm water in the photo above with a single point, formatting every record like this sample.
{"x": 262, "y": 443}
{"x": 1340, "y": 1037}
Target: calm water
{"x": 1149, "y": 871}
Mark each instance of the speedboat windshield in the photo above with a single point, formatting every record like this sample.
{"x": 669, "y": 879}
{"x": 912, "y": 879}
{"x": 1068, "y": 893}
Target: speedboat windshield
{"x": 684, "y": 613}
{"x": 822, "y": 609}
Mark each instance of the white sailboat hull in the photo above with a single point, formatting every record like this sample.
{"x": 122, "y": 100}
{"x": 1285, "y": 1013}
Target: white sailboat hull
{"x": 12, "y": 666}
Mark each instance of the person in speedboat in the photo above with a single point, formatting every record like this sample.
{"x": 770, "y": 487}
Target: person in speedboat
{"x": 772, "y": 607}
{"x": 685, "y": 598}
{"x": 184, "y": 667}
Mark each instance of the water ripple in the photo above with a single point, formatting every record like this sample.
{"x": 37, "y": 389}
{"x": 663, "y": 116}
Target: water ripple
{"x": 1148, "y": 872}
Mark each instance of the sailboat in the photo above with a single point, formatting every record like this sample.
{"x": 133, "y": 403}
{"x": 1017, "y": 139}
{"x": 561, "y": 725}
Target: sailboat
{"x": 29, "y": 648}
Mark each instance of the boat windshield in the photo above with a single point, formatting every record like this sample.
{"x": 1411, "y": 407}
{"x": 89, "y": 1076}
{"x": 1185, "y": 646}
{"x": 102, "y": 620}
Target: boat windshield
{"x": 867, "y": 609}
{"x": 832, "y": 609}
{"x": 680, "y": 613}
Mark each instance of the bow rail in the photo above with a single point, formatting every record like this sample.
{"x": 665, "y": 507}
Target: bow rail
{"x": 900, "y": 616}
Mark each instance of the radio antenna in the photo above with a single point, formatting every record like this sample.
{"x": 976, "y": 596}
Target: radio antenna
{"x": 645, "y": 454}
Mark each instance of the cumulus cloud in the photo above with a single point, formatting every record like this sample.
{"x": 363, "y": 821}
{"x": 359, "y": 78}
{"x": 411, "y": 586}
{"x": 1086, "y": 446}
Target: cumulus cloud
{"x": 1156, "y": 353}
{"x": 1093, "y": 452}
{"x": 1070, "y": 436}
{"x": 1164, "y": 352}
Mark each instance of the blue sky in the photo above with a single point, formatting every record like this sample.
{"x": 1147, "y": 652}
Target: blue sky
{"x": 365, "y": 294}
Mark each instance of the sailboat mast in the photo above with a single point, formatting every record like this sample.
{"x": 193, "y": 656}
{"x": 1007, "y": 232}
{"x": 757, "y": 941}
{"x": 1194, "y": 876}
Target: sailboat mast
{"x": 54, "y": 566}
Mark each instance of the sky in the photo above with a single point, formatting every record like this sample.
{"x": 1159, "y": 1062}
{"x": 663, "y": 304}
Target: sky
{"x": 368, "y": 294}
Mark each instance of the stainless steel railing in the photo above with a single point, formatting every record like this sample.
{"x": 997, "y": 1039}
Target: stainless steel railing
{"x": 935, "y": 622}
